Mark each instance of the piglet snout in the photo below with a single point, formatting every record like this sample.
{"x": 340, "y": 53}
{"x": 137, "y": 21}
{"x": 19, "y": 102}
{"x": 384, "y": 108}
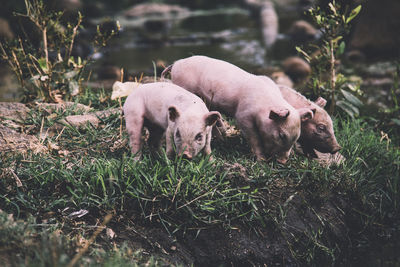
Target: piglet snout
{"x": 187, "y": 155}
{"x": 336, "y": 149}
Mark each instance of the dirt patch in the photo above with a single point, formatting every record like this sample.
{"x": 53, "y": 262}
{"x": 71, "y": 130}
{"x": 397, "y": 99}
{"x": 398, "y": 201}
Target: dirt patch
{"x": 283, "y": 241}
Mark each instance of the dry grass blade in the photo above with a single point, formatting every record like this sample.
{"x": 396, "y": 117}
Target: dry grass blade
{"x": 91, "y": 240}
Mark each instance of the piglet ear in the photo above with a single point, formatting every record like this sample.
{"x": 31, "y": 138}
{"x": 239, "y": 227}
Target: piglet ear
{"x": 173, "y": 113}
{"x": 212, "y": 117}
{"x": 313, "y": 111}
{"x": 278, "y": 114}
{"x": 320, "y": 102}
{"x": 305, "y": 114}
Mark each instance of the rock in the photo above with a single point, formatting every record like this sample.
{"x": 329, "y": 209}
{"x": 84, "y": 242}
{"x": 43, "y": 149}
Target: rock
{"x": 154, "y": 9}
{"x": 268, "y": 19}
{"x": 301, "y": 31}
{"x": 297, "y": 69}
{"x": 269, "y": 23}
{"x": 10, "y": 88}
{"x": 5, "y": 31}
{"x": 377, "y": 29}
{"x": 356, "y": 56}
{"x": 50, "y": 107}
{"x": 13, "y": 111}
{"x": 280, "y": 77}
{"x": 81, "y": 121}
{"x": 108, "y": 112}
{"x": 12, "y": 141}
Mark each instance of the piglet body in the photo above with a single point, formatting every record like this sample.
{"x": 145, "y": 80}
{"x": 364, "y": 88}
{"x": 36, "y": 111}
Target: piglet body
{"x": 167, "y": 108}
{"x": 269, "y": 123}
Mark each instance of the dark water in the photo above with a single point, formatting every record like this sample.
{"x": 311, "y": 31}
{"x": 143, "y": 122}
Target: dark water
{"x": 232, "y": 35}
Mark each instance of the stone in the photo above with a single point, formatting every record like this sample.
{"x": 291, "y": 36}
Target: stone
{"x": 301, "y": 31}
{"x": 280, "y": 78}
{"x": 80, "y": 121}
{"x": 5, "y": 30}
{"x": 13, "y": 141}
{"x": 154, "y": 9}
{"x": 52, "y": 107}
{"x": 269, "y": 23}
{"x": 297, "y": 69}
{"x": 13, "y": 111}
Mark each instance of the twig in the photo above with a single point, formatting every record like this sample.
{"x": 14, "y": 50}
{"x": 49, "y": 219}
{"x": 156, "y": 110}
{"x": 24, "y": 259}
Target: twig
{"x": 333, "y": 79}
{"x": 17, "y": 180}
{"x": 46, "y": 50}
{"x": 18, "y": 68}
{"x": 193, "y": 200}
{"x": 120, "y": 105}
{"x": 60, "y": 133}
{"x": 91, "y": 240}
{"x": 74, "y": 32}
{"x": 177, "y": 188}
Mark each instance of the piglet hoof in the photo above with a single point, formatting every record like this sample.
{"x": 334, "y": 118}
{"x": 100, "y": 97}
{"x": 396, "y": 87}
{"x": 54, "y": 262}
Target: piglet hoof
{"x": 282, "y": 161}
{"x": 261, "y": 158}
{"x": 170, "y": 155}
{"x": 137, "y": 155}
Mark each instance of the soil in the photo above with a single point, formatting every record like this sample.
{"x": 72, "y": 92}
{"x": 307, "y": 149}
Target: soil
{"x": 242, "y": 245}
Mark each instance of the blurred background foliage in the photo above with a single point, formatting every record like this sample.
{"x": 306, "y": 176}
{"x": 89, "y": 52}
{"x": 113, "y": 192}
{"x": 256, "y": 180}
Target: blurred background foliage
{"x": 289, "y": 40}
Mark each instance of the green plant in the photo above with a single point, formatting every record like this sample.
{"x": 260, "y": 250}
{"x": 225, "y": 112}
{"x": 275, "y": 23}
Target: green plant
{"x": 334, "y": 24}
{"x": 50, "y": 73}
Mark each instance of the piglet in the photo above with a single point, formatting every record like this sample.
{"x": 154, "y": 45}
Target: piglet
{"x": 167, "y": 108}
{"x": 268, "y": 122}
{"x": 316, "y": 133}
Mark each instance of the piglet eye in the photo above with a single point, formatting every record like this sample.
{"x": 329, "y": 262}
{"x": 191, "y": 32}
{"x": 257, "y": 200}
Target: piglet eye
{"x": 282, "y": 136}
{"x": 178, "y": 134}
{"x": 199, "y": 137}
{"x": 321, "y": 127}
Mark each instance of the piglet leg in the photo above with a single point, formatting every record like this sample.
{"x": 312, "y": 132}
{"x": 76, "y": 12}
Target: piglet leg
{"x": 169, "y": 143}
{"x": 250, "y": 132}
{"x": 134, "y": 126}
{"x": 207, "y": 148}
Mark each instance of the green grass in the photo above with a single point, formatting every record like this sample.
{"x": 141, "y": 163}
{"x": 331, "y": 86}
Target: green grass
{"x": 87, "y": 171}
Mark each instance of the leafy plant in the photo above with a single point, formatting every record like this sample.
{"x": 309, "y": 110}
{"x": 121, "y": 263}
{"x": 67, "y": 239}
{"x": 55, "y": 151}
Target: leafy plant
{"x": 50, "y": 73}
{"x": 334, "y": 24}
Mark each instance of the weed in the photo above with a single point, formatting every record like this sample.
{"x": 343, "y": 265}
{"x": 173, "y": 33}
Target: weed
{"x": 50, "y": 73}
{"x": 334, "y": 23}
